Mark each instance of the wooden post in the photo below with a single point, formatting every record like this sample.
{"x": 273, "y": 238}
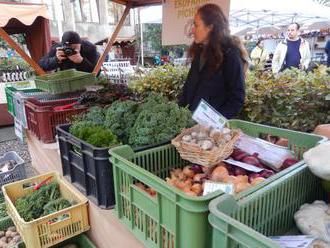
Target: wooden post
{"x": 21, "y": 52}
{"x": 112, "y": 39}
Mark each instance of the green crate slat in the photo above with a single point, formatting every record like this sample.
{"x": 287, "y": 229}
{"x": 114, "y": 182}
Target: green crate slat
{"x": 10, "y": 90}
{"x": 246, "y": 223}
{"x": 64, "y": 81}
{"x": 172, "y": 219}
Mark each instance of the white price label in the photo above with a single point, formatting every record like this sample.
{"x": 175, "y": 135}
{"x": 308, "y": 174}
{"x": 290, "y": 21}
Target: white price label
{"x": 243, "y": 165}
{"x": 299, "y": 241}
{"x": 18, "y": 129}
{"x": 206, "y": 115}
{"x": 210, "y": 187}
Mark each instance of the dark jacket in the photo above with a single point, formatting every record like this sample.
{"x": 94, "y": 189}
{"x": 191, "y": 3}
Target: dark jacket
{"x": 327, "y": 50}
{"x": 88, "y": 52}
{"x": 224, "y": 90}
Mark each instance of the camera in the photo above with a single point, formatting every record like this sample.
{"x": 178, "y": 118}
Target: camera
{"x": 68, "y": 51}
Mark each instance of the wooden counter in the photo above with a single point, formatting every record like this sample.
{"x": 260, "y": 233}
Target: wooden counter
{"x": 106, "y": 230}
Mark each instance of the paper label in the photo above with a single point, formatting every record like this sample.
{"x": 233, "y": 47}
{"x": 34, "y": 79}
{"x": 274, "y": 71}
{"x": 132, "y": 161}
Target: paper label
{"x": 210, "y": 187}
{"x": 18, "y": 129}
{"x": 327, "y": 98}
{"x": 206, "y": 115}
{"x": 299, "y": 241}
{"x": 243, "y": 165}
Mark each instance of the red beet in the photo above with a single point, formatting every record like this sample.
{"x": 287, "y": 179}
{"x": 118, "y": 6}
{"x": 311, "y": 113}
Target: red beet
{"x": 196, "y": 168}
{"x": 238, "y": 171}
{"x": 238, "y": 154}
{"x": 253, "y": 176}
{"x": 288, "y": 162}
{"x": 251, "y": 160}
{"x": 266, "y": 173}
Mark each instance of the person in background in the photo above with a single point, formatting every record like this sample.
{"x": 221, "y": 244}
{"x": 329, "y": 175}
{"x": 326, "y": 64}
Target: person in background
{"x": 268, "y": 62}
{"x": 71, "y": 53}
{"x": 244, "y": 54}
{"x": 292, "y": 52}
{"x": 259, "y": 54}
{"x": 216, "y": 73}
{"x": 327, "y": 51}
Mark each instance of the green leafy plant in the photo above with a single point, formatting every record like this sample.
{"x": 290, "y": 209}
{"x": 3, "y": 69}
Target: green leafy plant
{"x": 293, "y": 99}
{"x": 166, "y": 80}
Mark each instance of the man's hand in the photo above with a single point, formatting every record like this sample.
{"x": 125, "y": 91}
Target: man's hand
{"x": 76, "y": 58}
{"x": 60, "y": 55}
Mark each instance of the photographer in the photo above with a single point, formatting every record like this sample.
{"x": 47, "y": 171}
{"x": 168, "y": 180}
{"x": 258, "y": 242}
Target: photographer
{"x": 72, "y": 53}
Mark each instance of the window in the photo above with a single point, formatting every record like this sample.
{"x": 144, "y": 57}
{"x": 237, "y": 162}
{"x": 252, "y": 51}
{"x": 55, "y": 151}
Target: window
{"x": 115, "y": 11}
{"x": 86, "y": 11}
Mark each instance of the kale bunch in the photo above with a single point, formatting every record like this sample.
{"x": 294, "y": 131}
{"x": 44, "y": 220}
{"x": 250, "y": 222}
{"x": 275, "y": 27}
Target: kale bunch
{"x": 120, "y": 118}
{"x": 31, "y": 206}
{"x": 96, "y": 135}
{"x": 159, "y": 122}
{"x": 95, "y": 115}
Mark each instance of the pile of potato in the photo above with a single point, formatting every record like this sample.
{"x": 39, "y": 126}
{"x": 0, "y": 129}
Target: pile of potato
{"x": 9, "y": 237}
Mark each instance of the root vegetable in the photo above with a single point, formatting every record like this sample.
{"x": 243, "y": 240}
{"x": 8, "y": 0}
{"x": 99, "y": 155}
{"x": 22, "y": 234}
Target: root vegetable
{"x": 184, "y": 184}
{"x": 151, "y": 191}
{"x": 242, "y": 179}
{"x": 189, "y": 192}
{"x": 198, "y": 178}
{"x": 201, "y": 135}
{"x": 266, "y": 173}
{"x": 251, "y": 160}
{"x": 9, "y": 239}
{"x": 239, "y": 187}
{"x": 141, "y": 186}
{"x": 288, "y": 162}
{"x": 206, "y": 145}
{"x": 238, "y": 154}
{"x": 2, "y": 233}
{"x": 226, "y": 130}
{"x": 8, "y": 233}
{"x": 193, "y": 134}
{"x": 257, "y": 180}
{"x": 4, "y": 239}
{"x": 188, "y": 172}
{"x": 219, "y": 173}
{"x": 12, "y": 228}
{"x": 197, "y": 188}
{"x": 239, "y": 171}
{"x": 172, "y": 181}
{"x": 186, "y": 138}
{"x": 229, "y": 179}
{"x": 215, "y": 133}
{"x": 196, "y": 168}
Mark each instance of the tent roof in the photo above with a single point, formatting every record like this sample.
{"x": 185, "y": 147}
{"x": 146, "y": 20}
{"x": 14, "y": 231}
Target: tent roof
{"x": 139, "y": 3}
{"x": 25, "y": 13}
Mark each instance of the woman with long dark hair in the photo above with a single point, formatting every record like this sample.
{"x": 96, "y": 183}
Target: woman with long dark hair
{"x": 216, "y": 73}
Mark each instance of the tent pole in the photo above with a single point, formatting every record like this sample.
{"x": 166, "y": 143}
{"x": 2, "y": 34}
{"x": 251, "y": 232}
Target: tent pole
{"x": 21, "y": 52}
{"x": 112, "y": 39}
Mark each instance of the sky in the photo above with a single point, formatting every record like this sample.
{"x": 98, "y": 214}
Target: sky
{"x": 307, "y": 7}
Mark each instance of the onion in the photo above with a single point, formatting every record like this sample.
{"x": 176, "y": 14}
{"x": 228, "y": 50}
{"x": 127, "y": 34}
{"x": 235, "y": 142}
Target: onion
{"x": 196, "y": 168}
{"x": 239, "y": 187}
{"x": 219, "y": 173}
{"x": 257, "y": 180}
{"x": 239, "y": 171}
{"x": 199, "y": 178}
{"x": 266, "y": 173}
{"x": 288, "y": 162}
{"x": 197, "y": 188}
{"x": 242, "y": 179}
{"x": 251, "y": 160}
{"x": 253, "y": 175}
{"x": 238, "y": 154}
{"x": 188, "y": 172}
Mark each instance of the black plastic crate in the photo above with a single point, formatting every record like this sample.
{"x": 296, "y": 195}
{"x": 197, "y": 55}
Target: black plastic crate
{"x": 88, "y": 167}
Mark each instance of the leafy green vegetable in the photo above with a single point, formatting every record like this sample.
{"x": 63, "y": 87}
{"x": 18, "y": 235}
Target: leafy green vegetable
{"x": 158, "y": 123}
{"x": 56, "y": 205}
{"x": 31, "y": 206}
{"x": 95, "y": 115}
{"x": 98, "y": 136}
{"x": 120, "y": 118}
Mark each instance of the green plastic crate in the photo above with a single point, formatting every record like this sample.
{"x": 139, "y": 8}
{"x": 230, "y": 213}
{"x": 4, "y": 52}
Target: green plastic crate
{"x": 246, "y": 223}
{"x": 65, "y": 81}
{"x": 10, "y": 90}
{"x": 172, "y": 219}
{"x": 81, "y": 241}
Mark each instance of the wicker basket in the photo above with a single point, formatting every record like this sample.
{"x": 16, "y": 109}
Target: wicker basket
{"x": 195, "y": 154}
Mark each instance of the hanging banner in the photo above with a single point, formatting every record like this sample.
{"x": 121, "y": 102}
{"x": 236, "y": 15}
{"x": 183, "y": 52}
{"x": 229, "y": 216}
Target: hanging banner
{"x": 178, "y": 18}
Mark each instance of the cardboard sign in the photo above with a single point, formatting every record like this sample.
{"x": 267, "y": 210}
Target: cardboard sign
{"x": 206, "y": 115}
{"x": 300, "y": 241}
{"x": 178, "y": 18}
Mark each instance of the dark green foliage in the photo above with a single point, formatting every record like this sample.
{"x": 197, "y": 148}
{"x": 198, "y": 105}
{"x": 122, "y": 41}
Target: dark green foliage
{"x": 31, "y": 206}
{"x": 120, "y": 118}
{"x": 56, "y": 205}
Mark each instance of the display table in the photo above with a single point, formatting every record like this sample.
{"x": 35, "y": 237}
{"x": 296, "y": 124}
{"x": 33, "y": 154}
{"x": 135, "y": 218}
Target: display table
{"x": 106, "y": 230}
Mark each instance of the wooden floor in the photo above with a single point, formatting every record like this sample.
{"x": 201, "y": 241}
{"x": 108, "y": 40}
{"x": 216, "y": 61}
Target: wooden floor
{"x": 106, "y": 230}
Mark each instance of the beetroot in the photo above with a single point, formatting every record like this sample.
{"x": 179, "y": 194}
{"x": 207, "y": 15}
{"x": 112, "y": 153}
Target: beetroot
{"x": 253, "y": 176}
{"x": 230, "y": 169}
{"x": 238, "y": 154}
{"x": 238, "y": 171}
{"x": 266, "y": 173}
{"x": 288, "y": 162}
{"x": 196, "y": 168}
{"x": 251, "y": 160}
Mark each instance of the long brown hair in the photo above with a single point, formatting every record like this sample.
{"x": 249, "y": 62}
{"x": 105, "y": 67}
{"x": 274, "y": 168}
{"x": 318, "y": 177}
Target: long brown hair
{"x": 219, "y": 36}
{"x": 243, "y": 53}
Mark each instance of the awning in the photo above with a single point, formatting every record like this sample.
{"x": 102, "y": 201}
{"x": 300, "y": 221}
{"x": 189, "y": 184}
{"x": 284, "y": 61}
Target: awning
{"x": 25, "y": 13}
{"x": 118, "y": 40}
{"x": 139, "y": 3}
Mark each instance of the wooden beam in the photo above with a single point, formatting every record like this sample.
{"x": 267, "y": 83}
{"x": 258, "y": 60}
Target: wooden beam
{"x": 21, "y": 52}
{"x": 112, "y": 39}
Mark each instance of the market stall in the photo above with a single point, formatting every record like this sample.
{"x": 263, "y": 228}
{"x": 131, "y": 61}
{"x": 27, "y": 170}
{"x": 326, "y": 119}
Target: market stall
{"x": 32, "y": 21}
